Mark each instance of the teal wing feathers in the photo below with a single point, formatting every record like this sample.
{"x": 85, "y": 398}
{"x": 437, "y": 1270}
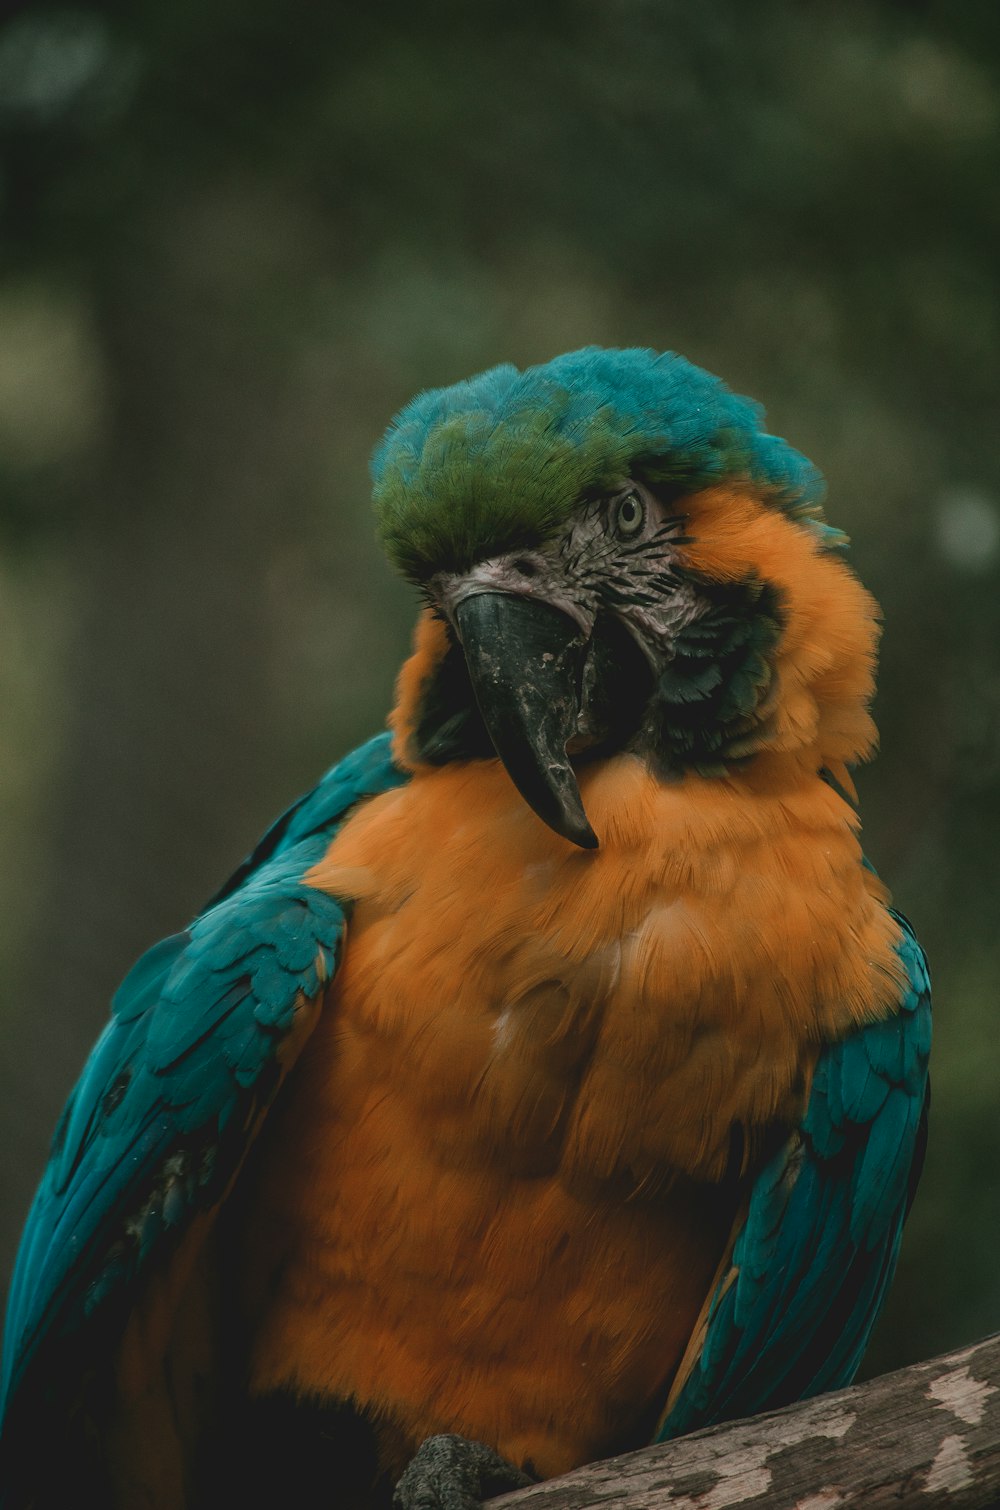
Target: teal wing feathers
{"x": 168, "y": 1102}
{"x": 813, "y": 1261}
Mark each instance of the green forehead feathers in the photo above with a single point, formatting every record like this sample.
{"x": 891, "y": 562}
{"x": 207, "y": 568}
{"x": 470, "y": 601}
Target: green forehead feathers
{"x": 501, "y": 460}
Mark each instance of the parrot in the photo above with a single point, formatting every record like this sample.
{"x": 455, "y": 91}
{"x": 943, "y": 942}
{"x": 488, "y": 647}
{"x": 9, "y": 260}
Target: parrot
{"x": 552, "y": 1078}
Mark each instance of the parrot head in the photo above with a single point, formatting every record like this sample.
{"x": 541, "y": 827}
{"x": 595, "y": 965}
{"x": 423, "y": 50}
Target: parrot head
{"x": 618, "y": 556}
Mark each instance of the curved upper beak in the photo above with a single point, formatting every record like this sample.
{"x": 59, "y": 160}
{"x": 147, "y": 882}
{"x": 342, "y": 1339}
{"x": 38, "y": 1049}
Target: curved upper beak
{"x": 525, "y": 660}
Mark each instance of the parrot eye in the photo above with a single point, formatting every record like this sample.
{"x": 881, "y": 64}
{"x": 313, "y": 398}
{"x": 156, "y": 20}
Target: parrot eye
{"x": 629, "y": 515}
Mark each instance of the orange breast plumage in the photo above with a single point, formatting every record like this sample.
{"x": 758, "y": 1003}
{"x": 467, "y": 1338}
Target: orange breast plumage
{"x": 512, "y": 1153}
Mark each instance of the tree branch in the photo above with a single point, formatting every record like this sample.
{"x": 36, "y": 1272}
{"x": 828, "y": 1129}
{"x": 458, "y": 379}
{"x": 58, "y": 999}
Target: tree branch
{"x": 928, "y": 1435}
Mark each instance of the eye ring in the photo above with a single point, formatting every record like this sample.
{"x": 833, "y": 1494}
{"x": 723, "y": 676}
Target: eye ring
{"x": 629, "y": 514}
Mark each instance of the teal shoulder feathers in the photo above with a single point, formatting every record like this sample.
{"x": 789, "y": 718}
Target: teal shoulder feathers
{"x": 812, "y": 1264}
{"x": 167, "y": 1104}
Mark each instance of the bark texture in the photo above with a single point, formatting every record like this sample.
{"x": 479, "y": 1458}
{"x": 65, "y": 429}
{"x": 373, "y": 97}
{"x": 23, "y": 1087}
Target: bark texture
{"x": 926, "y": 1436}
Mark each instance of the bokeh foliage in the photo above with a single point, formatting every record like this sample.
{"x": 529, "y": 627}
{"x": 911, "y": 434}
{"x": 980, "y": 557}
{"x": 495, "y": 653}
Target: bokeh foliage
{"x": 238, "y": 236}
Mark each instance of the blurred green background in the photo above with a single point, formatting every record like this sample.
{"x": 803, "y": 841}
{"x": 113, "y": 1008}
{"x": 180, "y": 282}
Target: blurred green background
{"x": 238, "y": 236}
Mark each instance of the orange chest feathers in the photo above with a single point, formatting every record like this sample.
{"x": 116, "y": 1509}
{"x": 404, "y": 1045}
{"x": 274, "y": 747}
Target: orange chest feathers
{"x": 490, "y": 1201}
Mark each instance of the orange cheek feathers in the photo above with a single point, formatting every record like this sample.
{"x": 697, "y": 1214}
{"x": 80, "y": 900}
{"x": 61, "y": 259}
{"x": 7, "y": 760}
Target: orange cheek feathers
{"x": 825, "y": 661}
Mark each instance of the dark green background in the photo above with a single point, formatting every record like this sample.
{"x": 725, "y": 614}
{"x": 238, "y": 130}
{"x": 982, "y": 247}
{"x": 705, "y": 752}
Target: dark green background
{"x": 239, "y": 235}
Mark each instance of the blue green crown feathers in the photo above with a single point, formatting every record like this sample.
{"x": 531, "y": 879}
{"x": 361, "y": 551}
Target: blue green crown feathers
{"x": 501, "y": 460}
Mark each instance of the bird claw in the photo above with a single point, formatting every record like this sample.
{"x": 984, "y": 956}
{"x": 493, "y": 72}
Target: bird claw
{"x": 449, "y": 1472}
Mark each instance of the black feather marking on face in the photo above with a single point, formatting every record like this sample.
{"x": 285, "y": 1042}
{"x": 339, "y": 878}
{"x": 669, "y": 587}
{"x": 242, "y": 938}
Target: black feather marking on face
{"x": 710, "y": 705}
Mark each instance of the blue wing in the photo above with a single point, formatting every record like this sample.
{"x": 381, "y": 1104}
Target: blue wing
{"x": 812, "y": 1264}
{"x": 162, "y": 1116}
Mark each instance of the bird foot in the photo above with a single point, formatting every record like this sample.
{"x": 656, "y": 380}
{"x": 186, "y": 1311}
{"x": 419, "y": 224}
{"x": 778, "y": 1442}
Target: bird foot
{"x": 451, "y": 1473}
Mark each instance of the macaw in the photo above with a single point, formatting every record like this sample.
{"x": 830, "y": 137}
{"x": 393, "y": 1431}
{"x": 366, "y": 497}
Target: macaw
{"x": 553, "y": 1076}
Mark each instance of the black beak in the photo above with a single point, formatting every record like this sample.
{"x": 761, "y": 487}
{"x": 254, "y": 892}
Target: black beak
{"x": 525, "y": 661}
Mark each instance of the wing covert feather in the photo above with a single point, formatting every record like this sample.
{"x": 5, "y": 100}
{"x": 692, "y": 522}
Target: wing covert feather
{"x": 813, "y": 1260}
{"x": 174, "y": 1089}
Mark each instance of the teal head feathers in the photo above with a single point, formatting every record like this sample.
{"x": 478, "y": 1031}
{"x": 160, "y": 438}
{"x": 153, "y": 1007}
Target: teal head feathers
{"x": 503, "y": 459}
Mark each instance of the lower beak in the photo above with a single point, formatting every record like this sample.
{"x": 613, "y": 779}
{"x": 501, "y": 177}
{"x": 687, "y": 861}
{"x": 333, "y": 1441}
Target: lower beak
{"x": 525, "y": 661}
